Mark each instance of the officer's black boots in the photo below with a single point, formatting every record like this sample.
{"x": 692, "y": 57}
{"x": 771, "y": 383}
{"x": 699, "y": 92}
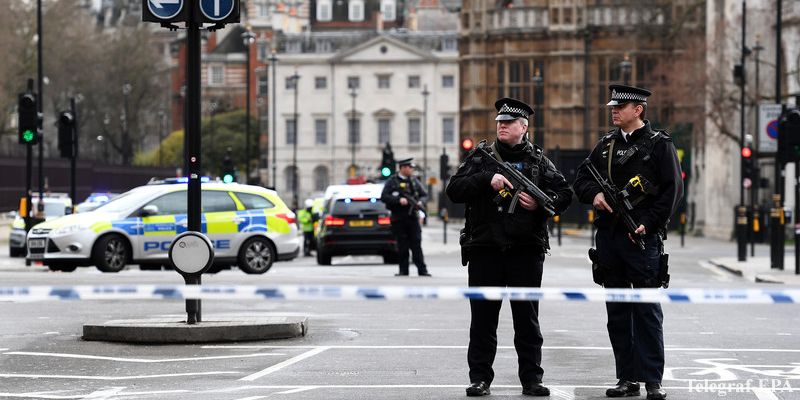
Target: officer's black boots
{"x": 478, "y": 388}
{"x": 654, "y": 391}
{"x": 623, "y": 389}
{"x": 536, "y": 389}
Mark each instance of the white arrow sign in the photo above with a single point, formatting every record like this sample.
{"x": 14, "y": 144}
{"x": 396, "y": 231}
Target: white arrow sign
{"x": 158, "y": 3}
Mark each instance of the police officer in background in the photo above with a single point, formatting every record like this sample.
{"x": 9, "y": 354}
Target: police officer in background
{"x": 306, "y": 219}
{"x": 404, "y": 197}
{"x": 506, "y": 249}
{"x": 642, "y": 160}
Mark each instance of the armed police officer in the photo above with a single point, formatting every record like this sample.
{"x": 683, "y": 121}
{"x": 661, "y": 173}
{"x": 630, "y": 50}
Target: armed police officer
{"x": 404, "y": 197}
{"x": 505, "y": 239}
{"x": 641, "y": 165}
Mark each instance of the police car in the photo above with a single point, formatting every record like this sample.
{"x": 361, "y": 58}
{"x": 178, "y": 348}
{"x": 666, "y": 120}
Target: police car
{"x": 55, "y": 205}
{"x": 248, "y": 225}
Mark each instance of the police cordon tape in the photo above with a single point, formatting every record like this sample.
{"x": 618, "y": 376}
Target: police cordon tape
{"x": 330, "y": 292}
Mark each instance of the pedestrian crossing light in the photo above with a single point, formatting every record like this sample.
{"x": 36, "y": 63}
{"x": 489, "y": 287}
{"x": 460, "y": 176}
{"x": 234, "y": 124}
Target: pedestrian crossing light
{"x": 385, "y": 171}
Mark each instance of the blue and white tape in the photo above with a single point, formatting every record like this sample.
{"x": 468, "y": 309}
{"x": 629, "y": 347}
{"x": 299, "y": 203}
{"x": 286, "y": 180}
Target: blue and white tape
{"x": 328, "y": 292}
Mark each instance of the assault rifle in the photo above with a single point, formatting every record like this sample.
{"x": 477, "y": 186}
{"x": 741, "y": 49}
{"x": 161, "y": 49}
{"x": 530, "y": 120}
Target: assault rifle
{"x": 621, "y": 206}
{"x": 413, "y": 202}
{"x": 521, "y": 184}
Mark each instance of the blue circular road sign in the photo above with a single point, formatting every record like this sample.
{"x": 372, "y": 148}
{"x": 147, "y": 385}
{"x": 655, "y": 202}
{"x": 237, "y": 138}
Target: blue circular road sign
{"x": 772, "y": 129}
{"x": 216, "y": 10}
{"x": 165, "y": 9}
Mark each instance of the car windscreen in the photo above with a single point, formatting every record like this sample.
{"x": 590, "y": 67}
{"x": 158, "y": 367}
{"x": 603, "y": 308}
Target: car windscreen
{"x": 342, "y": 207}
{"x": 55, "y": 208}
{"x": 125, "y": 201}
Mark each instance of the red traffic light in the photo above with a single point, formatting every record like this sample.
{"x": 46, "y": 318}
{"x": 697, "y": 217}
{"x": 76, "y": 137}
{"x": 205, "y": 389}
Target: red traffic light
{"x": 467, "y": 144}
{"x": 747, "y": 152}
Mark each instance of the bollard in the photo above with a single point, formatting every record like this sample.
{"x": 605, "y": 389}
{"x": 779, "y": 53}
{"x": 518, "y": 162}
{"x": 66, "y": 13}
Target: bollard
{"x": 777, "y": 221}
{"x": 756, "y": 227}
{"x": 557, "y": 220}
{"x": 683, "y": 227}
{"x": 741, "y": 232}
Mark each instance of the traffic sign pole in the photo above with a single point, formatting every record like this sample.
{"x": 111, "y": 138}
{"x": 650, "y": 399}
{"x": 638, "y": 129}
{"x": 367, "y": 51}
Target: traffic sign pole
{"x": 192, "y": 153}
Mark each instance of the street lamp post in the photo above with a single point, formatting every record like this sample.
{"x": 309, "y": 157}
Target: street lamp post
{"x": 161, "y": 117}
{"x": 273, "y": 61}
{"x": 126, "y": 140}
{"x": 425, "y": 94}
{"x": 352, "y": 135}
{"x": 295, "y": 84}
{"x": 626, "y": 65}
{"x": 248, "y": 39}
{"x": 538, "y": 81}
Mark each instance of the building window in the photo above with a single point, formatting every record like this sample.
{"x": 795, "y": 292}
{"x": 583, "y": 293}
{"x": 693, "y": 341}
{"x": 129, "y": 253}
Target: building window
{"x": 290, "y": 173}
{"x": 353, "y": 82}
{"x": 262, "y": 9}
{"x": 320, "y": 178}
{"x": 449, "y": 44}
{"x": 294, "y": 47}
{"x": 448, "y": 130}
{"x": 384, "y": 81}
{"x": 323, "y": 46}
{"x": 263, "y": 85}
{"x": 320, "y": 82}
{"x": 291, "y": 84}
{"x": 388, "y": 9}
{"x": 355, "y": 10}
{"x": 324, "y": 10}
{"x": 262, "y": 51}
{"x": 353, "y": 131}
{"x": 384, "y": 130}
{"x": 321, "y": 131}
{"x": 291, "y": 131}
{"x": 413, "y": 82}
{"x": 567, "y": 16}
{"x": 414, "y": 125}
{"x": 448, "y": 81}
{"x": 217, "y": 75}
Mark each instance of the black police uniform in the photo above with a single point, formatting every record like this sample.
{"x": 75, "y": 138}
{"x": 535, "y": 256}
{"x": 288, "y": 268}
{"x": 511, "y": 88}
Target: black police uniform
{"x": 635, "y": 329}
{"x": 405, "y": 220}
{"x": 505, "y": 249}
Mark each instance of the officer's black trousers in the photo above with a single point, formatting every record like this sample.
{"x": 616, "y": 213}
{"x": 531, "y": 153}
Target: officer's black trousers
{"x": 409, "y": 236}
{"x": 521, "y": 267}
{"x": 635, "y": 329}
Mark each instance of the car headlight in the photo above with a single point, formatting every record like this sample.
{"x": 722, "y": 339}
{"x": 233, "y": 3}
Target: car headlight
{"x": 64, "y": 230}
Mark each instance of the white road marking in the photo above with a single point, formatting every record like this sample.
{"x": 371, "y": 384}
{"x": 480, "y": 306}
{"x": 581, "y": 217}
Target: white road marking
{"x": 298, "y": 390}
{"x": 765, "y": 394}
{"x": 104, "y": 394}
{"x": 253, "y": 398}
{"x": 3, "y": 349}
{"x": 580, "y": 348}
{"x": 783, "y": 334}
{"x": 564, "y": 393}
{"x": 286, "y": 363}
{"x": 50, "y": 395}
{"x": 136, "y": 360}
{"x": 115, "y": 378}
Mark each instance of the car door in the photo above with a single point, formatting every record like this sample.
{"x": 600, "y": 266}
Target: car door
{"x": 219, "y": 217}
{"x": 158, "y": 230}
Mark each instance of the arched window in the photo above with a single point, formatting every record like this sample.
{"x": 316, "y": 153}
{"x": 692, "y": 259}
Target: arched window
{"x": 320, "y": 178}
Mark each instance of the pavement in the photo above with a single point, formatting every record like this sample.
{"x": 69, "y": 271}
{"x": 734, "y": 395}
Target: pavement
{"x": 758, "y": 269}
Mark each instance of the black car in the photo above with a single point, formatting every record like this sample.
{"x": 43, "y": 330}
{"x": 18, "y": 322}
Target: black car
{"x": 355, "y": 226}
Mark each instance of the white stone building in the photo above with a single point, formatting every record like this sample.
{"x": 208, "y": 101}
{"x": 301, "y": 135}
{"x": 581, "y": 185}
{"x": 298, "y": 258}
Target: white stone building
{"x": 390, "y": 73}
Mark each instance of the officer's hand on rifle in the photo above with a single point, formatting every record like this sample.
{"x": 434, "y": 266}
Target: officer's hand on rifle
{"x": 527, "y": 202}
{"x": 639, "y": 231}
{"x": 599, "y": 203}
{"x": 499, "y": 182}
{"x": 403, "y": 201}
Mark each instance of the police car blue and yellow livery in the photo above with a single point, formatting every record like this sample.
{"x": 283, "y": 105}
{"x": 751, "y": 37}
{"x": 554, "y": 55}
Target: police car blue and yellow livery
{"x": 249, "y": 226}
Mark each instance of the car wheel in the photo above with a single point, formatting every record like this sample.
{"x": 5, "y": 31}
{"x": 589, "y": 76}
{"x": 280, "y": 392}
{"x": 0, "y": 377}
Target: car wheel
{"x": 256, "y": 256}
{"x": 111, "y": 253}
{"x": 323, "y": 258}
{"x": 62, "y": 267}
{"x": 391, "y": 258}
{"x": 16, "y": 252}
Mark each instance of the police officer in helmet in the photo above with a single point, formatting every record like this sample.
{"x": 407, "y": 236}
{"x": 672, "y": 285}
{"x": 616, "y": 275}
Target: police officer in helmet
{"x": 505, "y": 246}
{"x": 641, "y": 162}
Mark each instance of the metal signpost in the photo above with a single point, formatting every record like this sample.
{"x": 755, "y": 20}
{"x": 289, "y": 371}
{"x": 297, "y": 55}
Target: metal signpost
{"x": 194, "y": 13}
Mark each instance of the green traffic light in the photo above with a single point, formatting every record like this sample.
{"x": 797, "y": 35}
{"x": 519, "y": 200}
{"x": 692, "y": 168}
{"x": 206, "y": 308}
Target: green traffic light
{"x": 28, "y": 136}
{"x": 385, "y": 171}
{"x": 227, "y": 178}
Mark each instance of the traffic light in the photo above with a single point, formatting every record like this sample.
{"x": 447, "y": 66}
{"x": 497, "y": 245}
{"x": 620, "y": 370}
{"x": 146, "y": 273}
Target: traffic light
{"x": 789, "y": 136}
{"x": 28, "y": 123}
{"x": 228, "y": 170}
{"x": 467, "y": 144}
{"x": 387, "y": 166}
{"x": 748, "y": 164}
{"x": 444, "y": 167}
{"x": 66, "y": 134}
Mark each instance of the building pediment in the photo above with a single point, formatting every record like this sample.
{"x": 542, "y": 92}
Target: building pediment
{"x": 383, "y": 113}
{"x": 383, "y": 49}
